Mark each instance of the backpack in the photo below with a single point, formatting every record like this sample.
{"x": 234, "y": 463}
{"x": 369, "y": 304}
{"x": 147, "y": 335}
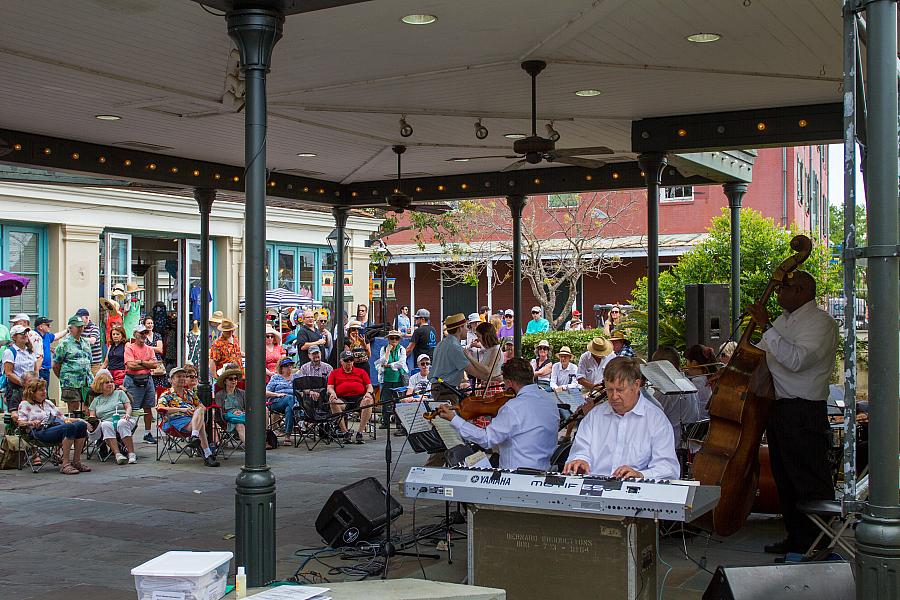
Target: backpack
{"x": 4, "y": 382}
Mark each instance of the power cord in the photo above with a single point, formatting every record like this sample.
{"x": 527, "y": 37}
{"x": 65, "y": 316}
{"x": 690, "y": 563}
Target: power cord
{"x": 662, "y": 585}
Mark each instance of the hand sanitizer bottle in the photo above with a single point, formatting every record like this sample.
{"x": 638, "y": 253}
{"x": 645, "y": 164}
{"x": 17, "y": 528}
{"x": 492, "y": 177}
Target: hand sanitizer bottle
{"x": 240, "y": 583}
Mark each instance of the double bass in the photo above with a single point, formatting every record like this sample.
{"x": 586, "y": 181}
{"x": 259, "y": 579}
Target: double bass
{"x": 738, "y": 412}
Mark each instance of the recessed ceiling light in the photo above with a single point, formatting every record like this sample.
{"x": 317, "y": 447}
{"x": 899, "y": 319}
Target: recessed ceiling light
{"x": 107, "y": 117}
{"x": 419, "y": 19}
{"x": 704, "y": 38}
{"x": 458, "y": 159}
{"x": 514, "y": 136}
{"x": 306, "y": 154}
{"x": 588, "y": 93}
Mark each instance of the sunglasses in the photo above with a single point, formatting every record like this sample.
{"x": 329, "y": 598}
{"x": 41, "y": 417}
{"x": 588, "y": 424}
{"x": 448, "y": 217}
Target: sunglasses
{"x": 425, "y": 363}
{"x": 269, "y": 335}
{"x": 323, "y": 321}
{"x": 232, "y": 378}
{"x": 535, "y": 312}
{"x": 347, "y": 360}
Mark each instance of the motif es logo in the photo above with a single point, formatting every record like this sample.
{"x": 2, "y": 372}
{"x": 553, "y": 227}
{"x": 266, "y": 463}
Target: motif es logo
{"x": 490, "y": 480}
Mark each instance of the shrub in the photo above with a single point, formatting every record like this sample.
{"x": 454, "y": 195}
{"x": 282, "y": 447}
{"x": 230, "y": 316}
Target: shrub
{"x": 577, "y": 341}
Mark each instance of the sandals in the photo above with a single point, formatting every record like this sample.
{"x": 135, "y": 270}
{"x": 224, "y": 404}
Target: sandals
{"x": 68, "y": 469}
{"x": 82, "y": 468}
{"x": 36, "y": 460}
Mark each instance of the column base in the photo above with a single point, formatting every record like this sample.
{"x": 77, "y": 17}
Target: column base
{"x": 878, "y": 557}
{"x": 254, "y": 511}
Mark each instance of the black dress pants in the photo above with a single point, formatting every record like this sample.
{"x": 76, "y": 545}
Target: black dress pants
{"x": 799, "y": 439}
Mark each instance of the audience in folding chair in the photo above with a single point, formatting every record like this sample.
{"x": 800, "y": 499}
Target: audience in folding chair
{"x": 280, "y": 395}
{"x": 233, "y": 401}
{"x": 112, "y": 408}
{"x": 185, "y": 413}
{"x": 46, "y": 424}
{"x": 349, "y": 389}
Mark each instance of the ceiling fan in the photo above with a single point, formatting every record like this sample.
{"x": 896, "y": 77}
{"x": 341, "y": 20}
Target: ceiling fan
{"x": 534, "y": 148}
{"x": 397, "y": 201}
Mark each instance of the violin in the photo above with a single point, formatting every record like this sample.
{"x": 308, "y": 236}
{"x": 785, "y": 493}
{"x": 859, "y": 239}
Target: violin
{"x": 472, "y": 406}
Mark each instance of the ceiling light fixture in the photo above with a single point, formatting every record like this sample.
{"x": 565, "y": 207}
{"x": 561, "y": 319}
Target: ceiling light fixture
{"x": 588, "y": 93}
{"x": 418, "y": 19}
{"x": 307, "y": 154}
{"x": 481, "y": 131}
{"x": 703, "y": 38}
{"x": 514, "y": 136}
{"x": 107, "y": 117}
{"x": 406, "y": 129}
{"x": 552, "y": 133}
{"x": 457, "y": 160}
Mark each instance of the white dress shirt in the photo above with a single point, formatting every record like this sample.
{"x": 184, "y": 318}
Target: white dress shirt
{"x": 800, "y": 349}
{"x": 590, "y": 369}
{"x": 641, "y": 439}
{"x": 524, "y": 430}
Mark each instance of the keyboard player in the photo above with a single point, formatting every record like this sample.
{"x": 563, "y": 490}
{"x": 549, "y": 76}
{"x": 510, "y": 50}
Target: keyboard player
{"x": 524, "y": 429}
{"x": 628, "y": 436}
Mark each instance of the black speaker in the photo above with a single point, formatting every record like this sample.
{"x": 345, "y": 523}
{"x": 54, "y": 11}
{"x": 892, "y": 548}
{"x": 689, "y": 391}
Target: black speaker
{"x": 355, "y": 513}
{"x": 708, "y": 311}
{"x": 798, "y": 581}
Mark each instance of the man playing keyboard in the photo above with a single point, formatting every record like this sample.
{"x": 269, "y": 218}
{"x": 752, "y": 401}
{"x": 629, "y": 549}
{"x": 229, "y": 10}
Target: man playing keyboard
{"x": 628, "y": 436}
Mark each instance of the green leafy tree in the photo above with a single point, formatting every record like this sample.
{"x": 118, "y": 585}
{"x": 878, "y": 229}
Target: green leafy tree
{"x": 836, "y": 224}
{"x": 763, "y": 246}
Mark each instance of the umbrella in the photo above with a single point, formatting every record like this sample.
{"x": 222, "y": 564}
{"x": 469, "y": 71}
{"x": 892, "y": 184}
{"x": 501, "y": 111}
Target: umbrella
{"x": 12, "y": 284}
{"x": 281, "y": 298}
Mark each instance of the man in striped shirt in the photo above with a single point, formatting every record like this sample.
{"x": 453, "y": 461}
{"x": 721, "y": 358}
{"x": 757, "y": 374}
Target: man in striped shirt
{"x": 91, "y": 333}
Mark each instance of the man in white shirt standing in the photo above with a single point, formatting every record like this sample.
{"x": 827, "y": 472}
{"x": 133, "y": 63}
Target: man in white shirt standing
{"x": 800, "y": 349}
{"x": 592, "y": 363}
{"x": 524, "y": 429}
{"x": 628, "y": 436}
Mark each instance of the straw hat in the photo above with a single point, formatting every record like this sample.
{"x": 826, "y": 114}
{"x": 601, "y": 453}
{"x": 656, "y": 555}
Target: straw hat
{"x": 229, "y": 371}
{"x": 271, "y": 331}
{"x": 109, "y": 305}
{"x": 600, "y": 347}
{"x": 353, "y": 324}
{"x": 564, "y": 351}
{"x": 227, "y": 325}
{"x": 133, "y": 287}
{"x": 618, "y": 335}
{"x": 118, "y": 291}
{"x": 217, "y": 317}
{"x": 543, "y": 344}
{"x": 394, "y": 333}
{"x": 454, "y": 321}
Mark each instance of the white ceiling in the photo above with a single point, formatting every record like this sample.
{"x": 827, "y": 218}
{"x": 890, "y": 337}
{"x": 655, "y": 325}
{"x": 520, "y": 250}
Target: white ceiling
{"x": 342, "y": 77}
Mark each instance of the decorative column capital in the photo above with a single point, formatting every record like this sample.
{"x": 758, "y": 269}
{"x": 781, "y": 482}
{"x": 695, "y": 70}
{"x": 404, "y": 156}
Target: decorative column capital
{"x": 255, "y": 32}
{"x": 205, "y": 198}
{"x": 652, "y": 164}
{"x": 735, "y": 191}
{"x": 340, "y": 214}
{"x": 516, "y": 204}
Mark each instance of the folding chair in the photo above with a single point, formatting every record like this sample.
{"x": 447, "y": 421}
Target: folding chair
{"x": 832, "y": 523}
{"x": 96, "y": 446}
{"x": 229, "y": 442}
{"x": 170, "y": 441}
{"x": 30, "y": 447}
{"x": 321, "y": 425}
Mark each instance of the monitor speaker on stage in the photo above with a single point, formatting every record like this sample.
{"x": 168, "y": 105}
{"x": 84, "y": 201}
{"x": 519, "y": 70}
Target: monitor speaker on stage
{"x": 708, "y": 311}
{"x": 355, "y": 513}
{"x": 797, "y": 581}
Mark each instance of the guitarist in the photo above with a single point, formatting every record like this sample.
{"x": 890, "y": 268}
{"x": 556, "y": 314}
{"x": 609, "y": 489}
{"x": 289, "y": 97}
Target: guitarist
{"x": 800, "y": 350}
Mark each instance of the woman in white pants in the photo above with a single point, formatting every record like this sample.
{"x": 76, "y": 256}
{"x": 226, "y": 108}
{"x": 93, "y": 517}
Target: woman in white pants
{"x": 113, "y": 410}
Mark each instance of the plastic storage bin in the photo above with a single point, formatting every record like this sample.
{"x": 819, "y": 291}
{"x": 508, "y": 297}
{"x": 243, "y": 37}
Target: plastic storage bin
{"x": 183, "y": 576}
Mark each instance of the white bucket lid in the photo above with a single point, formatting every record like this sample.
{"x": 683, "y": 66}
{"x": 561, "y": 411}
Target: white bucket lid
{"x": 182, "y": 564}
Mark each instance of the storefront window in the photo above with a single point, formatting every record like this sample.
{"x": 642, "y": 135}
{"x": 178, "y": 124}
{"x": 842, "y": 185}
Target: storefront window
{"x": 286, "y": 270}
{"x": 295, "y": 268}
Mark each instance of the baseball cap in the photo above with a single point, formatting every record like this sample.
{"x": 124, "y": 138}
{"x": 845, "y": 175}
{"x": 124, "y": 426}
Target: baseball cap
{"x": 42, "y": 321}
{"x": 536, "y": 309}
{"x": 576, "y": 313}
{"x": 313, "y": 350}
{"x": 422, "y": 358}
{"x": 21, "y": 317}
{"x": 82, "y": 312}
{"x": 140, "y": 328}
{"x": 17, "y": 329}
{"x": 509, "y": 312}
{"x": 346, "y": 355}
{"x": 290, "y": 361}
{"x": 75, "y": 321}
{"x": 423, "y": 313}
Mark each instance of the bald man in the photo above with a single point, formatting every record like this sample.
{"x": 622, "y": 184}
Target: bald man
{"x": 800, "y": 350}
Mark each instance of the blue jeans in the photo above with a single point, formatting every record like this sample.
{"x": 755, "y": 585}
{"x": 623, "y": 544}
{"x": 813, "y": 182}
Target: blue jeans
{"x": 45, "y": 375}
{"x": 284, "y": 405}
{"x": 57, "y": 433}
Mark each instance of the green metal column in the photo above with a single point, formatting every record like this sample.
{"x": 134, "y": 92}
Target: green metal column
{"x": 735, "y": 193}
{"x": 205, "y": 198}
{"x": 652, "y": 163}
{"x": 340, "y": 220}
{"x": 255, "y": 32}
{"x": 878, "y": 535}
{"x": 516, "y": 205}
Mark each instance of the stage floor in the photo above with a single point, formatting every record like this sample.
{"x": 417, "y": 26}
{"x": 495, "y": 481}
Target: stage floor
{"x": 79, "y": 536}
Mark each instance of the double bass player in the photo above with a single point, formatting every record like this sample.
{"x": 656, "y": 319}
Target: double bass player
{"x": 800, "y": 350}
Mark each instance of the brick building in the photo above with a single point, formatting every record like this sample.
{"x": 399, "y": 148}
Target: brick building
{"x": 789, "y": 186}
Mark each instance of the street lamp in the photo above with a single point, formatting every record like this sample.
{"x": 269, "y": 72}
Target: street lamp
{"x": 332, "y": 239}
{"x": 381, "y": 256}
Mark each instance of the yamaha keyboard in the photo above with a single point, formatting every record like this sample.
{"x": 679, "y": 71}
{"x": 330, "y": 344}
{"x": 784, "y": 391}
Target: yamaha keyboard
{"x": 670, "y": 500}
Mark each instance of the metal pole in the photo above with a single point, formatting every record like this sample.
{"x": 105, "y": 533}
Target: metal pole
{"x": 255, "y": 32}
{"x": 384, "y": 321}
{"x": 340, "y": 222}
{"x": 516, "y": 205}
{"x": 652, "y": 163}
{"x": 735, "y": 192}
{"x": 878, "y": 534}
{"x": 849, "y": 259}
{"x": 205, "y": 198}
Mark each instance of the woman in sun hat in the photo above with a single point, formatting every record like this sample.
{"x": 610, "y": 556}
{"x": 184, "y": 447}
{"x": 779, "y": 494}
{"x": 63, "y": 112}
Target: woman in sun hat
{"x": 358, "y": 345}
{"x": 232, "y": 399}
{"x": 564, "y": 380}
{"x": 274, "y": 351}
{"x": 542, "y": 363}
{"x": 392, "y": 372}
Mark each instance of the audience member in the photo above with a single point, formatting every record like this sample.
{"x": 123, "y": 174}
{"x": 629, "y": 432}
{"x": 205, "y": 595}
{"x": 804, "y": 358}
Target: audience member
{"x": 280, "y": 392}
{"x": 401, "y": 322}
{"x": 349, "y": 388}
{"x": 48, "y": 337}
{"x": 564, "y": 379}
{"x": 46, "y": 424}
{"x": 307, "y": 336}
{"x": 112, "y": 407}
{"x": 226, "y": 349}
{"x": 537, "y": 324}
{"x": 507, "y": 331}
{"x": 184, "y": 412}
{"x": 140, "y": 360}
{"x": 72, "y": 365}
{"x": 424, "y": 338}
{"x": 115, "y": 354}
{"x": 322, "y": 325}
{"x": 233, "y": 401}
{"x": 392, "y": 370}
{"x": 542, "y": 365}
{"x": 316, "y": 367}
{"x": 356, "y": 343}
{"x": 18, "y": 359}
{"x": 419, "y": 385}
{"x": 621, "y": 345}
{"x": 274, "y": 351}
{"x": 33, "y": 336}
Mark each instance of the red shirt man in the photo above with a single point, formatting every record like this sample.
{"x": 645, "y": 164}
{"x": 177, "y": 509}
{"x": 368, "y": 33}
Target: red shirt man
{"x": 350, "y": 385}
